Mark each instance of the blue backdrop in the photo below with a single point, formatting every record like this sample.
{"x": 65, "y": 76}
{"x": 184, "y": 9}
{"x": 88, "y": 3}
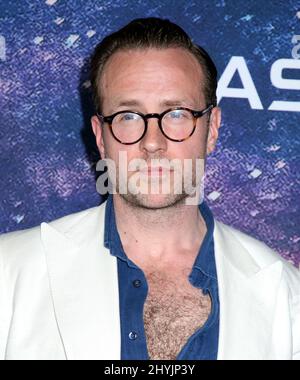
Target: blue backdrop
{"x": 48, "y": 154}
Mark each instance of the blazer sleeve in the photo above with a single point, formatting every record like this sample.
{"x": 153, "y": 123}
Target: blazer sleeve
{"x": 4, "y": 304}
{"x": 3, "y": 332}
{"x": 296, "y": 327}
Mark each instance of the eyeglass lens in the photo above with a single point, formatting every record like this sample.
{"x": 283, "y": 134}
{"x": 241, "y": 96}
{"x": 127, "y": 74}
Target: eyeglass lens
{"x": 176, "y": 124}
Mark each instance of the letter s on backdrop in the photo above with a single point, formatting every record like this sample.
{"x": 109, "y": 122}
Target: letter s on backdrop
{"x": 286, "y": 84}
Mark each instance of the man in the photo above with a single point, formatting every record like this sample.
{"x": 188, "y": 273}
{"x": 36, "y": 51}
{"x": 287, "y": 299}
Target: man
{"x": 148, "y": 274}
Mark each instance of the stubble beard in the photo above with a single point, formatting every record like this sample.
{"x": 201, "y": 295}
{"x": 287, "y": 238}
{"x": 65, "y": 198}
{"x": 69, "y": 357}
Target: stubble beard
{"x": 174, "y": 198}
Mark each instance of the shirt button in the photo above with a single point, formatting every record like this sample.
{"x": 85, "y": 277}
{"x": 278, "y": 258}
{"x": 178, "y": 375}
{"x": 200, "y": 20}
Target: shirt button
{"x": 132, "y": 335}
{"x": 137, "y": 283}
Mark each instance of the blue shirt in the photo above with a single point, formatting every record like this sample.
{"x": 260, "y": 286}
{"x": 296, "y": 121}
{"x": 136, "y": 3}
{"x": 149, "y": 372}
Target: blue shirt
{"x": 133, "y": 288}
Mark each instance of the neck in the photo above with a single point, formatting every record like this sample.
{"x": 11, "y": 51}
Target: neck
{"x": 161, "y": 235}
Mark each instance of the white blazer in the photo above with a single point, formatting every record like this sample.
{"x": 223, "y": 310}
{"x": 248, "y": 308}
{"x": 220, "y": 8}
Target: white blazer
{"x": 59, "y": 294}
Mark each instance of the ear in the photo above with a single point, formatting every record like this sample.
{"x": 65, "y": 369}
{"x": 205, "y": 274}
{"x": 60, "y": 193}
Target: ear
{"x": 213, "y": 132}
{"x": 98, "y": 132}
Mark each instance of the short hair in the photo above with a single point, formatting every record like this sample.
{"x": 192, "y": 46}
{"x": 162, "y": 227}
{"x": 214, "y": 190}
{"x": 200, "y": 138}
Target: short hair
{"x": 144, "y": 33}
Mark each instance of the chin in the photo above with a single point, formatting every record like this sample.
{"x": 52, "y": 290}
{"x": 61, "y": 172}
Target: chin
{"x": 154, "y": 201}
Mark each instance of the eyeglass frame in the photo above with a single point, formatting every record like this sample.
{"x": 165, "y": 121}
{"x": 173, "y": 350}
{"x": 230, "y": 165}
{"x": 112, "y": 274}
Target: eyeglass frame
{"x": 196, "y": 114}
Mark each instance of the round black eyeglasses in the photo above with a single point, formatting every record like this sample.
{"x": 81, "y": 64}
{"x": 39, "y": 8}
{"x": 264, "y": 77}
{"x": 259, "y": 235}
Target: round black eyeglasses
{"x": 176, "y": 124}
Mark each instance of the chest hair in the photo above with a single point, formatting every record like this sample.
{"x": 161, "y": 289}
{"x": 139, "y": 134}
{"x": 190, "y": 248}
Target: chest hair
{"x": 173, "y": 311}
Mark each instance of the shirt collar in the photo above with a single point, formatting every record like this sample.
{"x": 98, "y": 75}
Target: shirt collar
{"x": 205, "y": 260}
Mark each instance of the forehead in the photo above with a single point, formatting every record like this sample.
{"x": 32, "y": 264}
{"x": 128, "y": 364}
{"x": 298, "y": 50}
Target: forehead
{"x": 169, "y": 73}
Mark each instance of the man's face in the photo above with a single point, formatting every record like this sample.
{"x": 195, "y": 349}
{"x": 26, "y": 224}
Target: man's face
{"x": 151, "y": 81}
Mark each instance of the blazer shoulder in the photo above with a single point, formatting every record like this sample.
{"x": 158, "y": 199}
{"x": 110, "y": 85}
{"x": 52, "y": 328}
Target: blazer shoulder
{"x": 261, "y": 253}
{"x": 20, "y": 247}
{"x": 67, "y": 222}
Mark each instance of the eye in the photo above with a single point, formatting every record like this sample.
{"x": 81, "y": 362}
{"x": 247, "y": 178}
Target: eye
{"x": 128, "y": 117}
{"x": 178, "y": 115}
{"x": 175, "y": 114}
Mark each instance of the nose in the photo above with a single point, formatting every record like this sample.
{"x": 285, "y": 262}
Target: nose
{"x": 153, "y": 140}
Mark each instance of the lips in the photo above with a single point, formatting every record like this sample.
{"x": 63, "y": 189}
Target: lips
{"x": 155, "y": 171}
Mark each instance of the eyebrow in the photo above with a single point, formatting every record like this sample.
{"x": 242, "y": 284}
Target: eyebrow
{"x": 163, "y": 103}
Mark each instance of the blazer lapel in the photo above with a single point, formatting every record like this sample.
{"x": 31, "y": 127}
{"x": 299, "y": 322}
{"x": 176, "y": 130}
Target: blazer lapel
{"x": 247, "y": 295}
{"x": 84, "y": 286}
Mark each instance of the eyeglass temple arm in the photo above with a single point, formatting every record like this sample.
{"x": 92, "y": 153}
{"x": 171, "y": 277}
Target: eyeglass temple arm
{"x": 102, "y": 118}
{"x": 201, "y": 113}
